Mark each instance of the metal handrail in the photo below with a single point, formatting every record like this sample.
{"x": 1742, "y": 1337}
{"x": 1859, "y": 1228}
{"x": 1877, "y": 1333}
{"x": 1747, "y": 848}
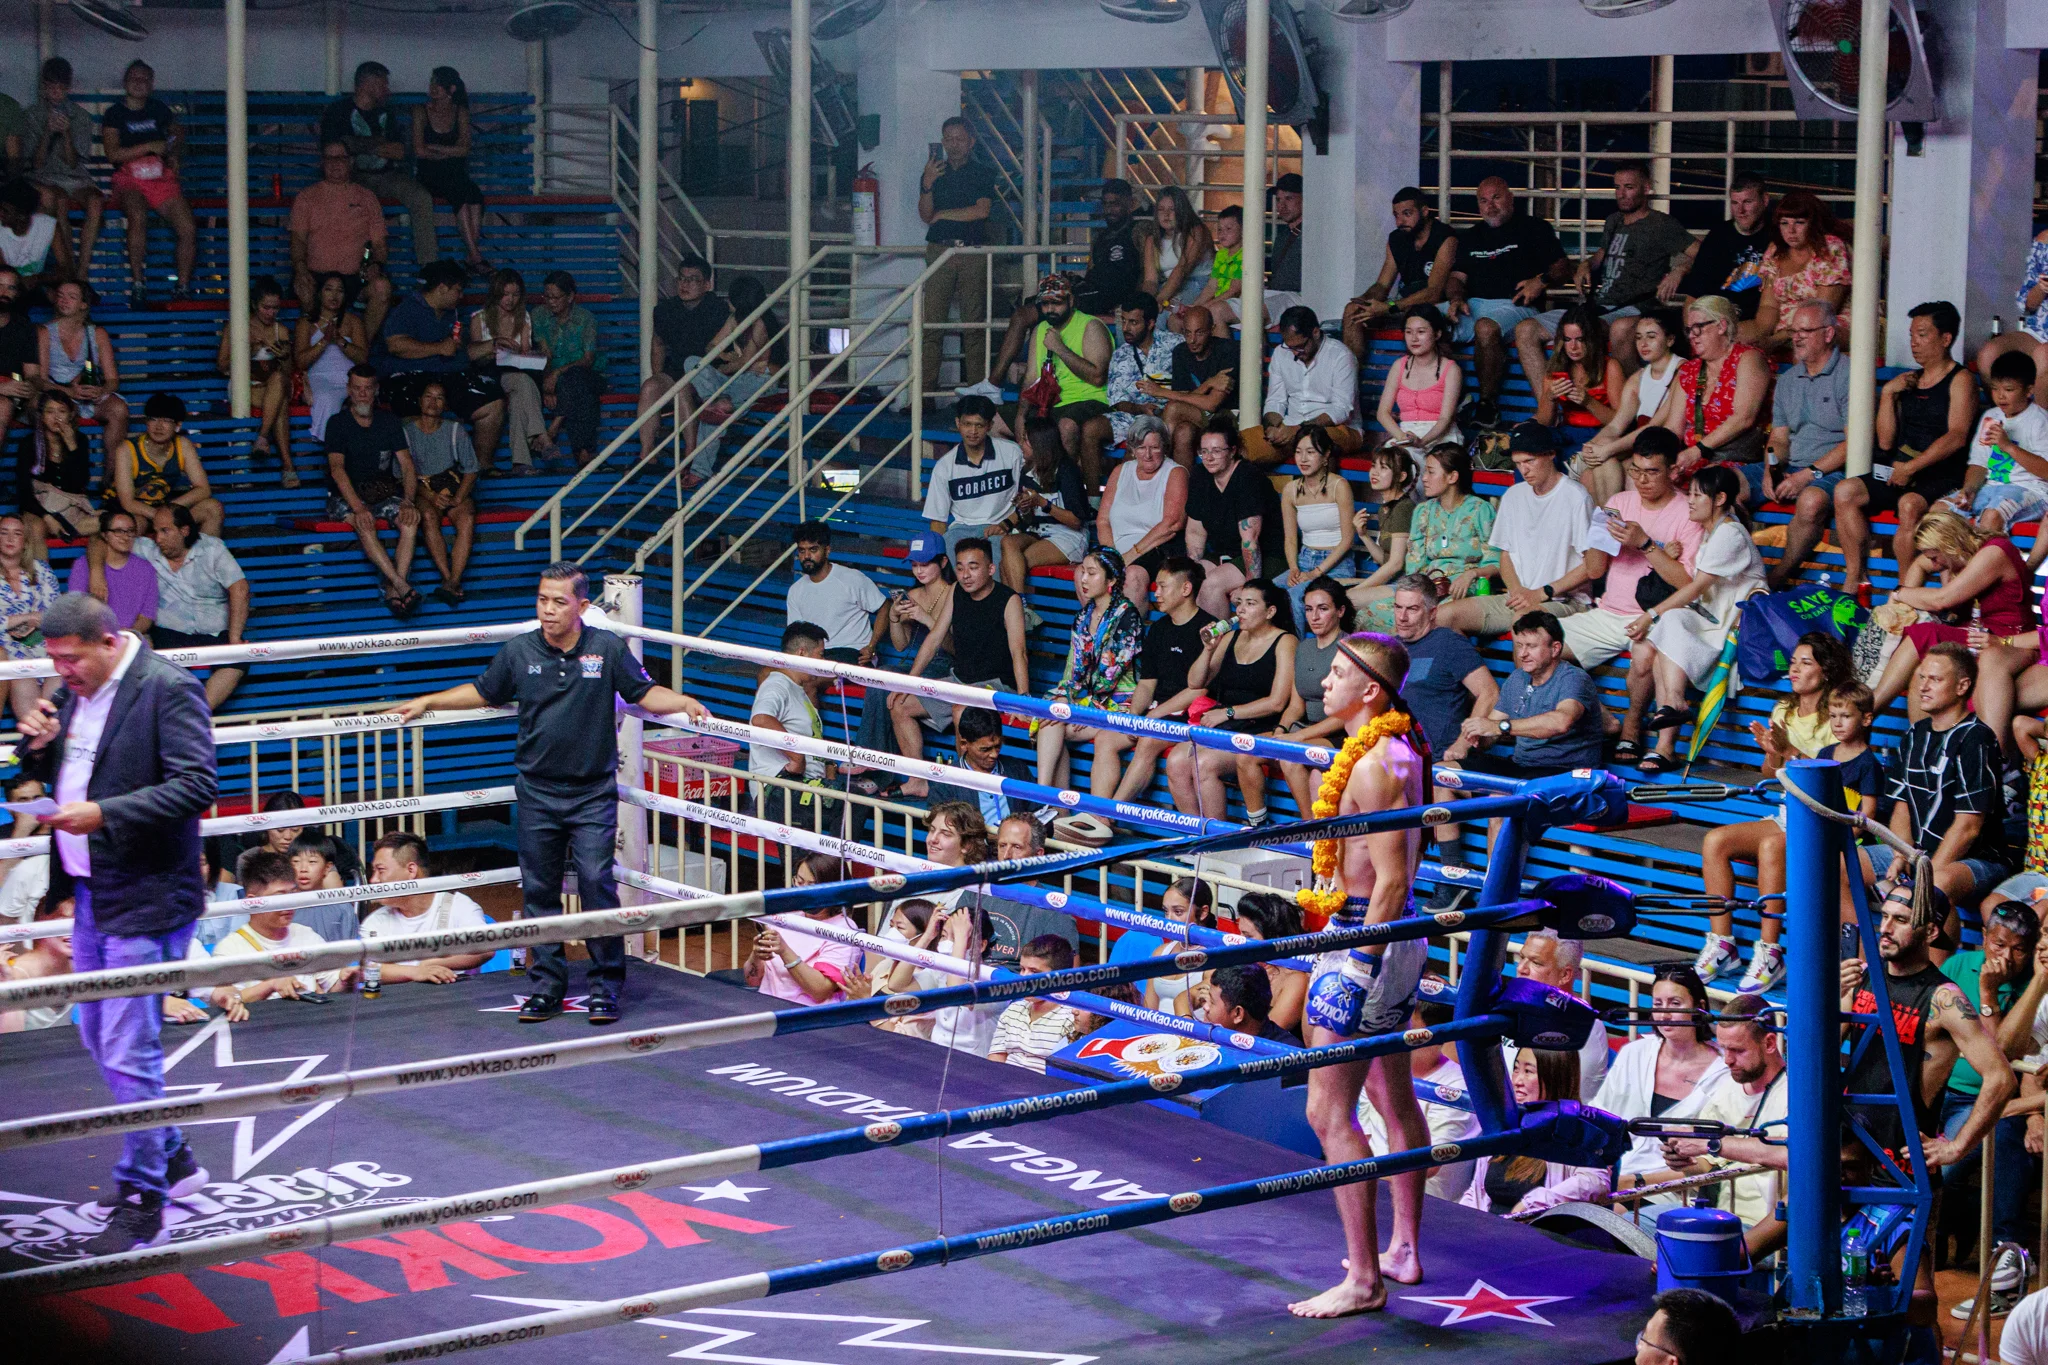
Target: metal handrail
{"x": 552, "y": 508}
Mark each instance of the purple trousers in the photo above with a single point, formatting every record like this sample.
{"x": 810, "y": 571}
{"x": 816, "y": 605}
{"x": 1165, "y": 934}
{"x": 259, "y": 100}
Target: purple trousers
{"x": 124, "y": 1036}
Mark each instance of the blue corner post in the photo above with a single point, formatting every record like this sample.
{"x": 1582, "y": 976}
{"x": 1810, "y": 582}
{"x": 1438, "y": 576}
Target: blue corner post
{"x": 1486, "y": 1077}
{"x": 1813, "y": 1048}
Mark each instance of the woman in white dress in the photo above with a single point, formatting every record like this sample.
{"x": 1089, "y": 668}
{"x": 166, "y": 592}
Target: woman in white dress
{"x": 1687, "y": 629}
{"x": 327, "y": 343}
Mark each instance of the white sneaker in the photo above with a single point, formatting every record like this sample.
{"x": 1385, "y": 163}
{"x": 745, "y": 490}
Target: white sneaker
{"x": 1766, "y": 970}
{"x": 982, "y": 390}
{"x": 1718, "y": 956}
{"x": 2008, "y": 1284}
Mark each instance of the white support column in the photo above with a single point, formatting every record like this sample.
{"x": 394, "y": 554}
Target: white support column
{"x": 537, "y": 87}
{"x": 1444, "y": 169}
{"x": 621, "y": 603}
{"x": 1662, "y": 86}
{"x": 1971, "y": 188}
{"x": 46, "y": 30}
{"x": 649, "y": 121}
{"x": 1375, "y": 144}
{"x": 1027, "y": 115}
{"x": 1251, "y": 357}
{"x": 332, "y": 67}
{"x": 1196, "y": 170}
{"x": 237, "y": 21}
{"x": 799, "y": 161}
{"x": 1873, "y": 49}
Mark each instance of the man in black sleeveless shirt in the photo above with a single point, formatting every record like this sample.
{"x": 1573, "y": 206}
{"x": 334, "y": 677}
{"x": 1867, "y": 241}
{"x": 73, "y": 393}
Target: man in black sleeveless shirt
{"x": 1936, "y": 1024}
{"x": 1420, "y": 253}
{"x": 985, "y": 621}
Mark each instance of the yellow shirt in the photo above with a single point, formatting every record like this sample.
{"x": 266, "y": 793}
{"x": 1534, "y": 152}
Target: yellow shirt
{"x": 1809, "y": 734}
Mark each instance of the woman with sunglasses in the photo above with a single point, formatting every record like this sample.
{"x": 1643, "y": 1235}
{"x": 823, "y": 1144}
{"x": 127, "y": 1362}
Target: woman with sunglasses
{"x": 1667, "y": 1073}
{"x": 1720, "y": 407}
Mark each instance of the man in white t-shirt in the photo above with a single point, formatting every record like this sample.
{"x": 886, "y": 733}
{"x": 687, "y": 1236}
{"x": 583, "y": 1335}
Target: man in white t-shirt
{"x": 974, "y": 485}
{"x": 1547, "y": 561}
{"x": 1555, "y": 962}
{"x": 1751, "y": 1095}
{"x": 842, "y": 602}
{"x": 787, "y": 700}
{"x": 265, "y": 872}
{"x": 29, "y": 240}
{"x": 402, "y": 857}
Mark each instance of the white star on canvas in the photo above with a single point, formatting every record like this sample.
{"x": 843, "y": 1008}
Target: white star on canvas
{"x": 724, "y": 1189}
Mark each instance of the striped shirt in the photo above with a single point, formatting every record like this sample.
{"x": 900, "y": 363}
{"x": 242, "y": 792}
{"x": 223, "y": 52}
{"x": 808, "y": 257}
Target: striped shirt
{"x": 1028, "y": 1041}
{"x": 1946, "y": 773}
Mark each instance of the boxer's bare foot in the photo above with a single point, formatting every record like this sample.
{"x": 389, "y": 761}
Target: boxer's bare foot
{"x": 1401, "y": 1264}
{"x": 916, "y": 788}
{"x": 1342, "y": 1300}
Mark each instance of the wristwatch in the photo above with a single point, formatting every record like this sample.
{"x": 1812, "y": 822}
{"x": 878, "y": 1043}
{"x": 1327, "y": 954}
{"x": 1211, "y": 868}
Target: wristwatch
{"x": 1549, "y": 593}
{"x": 1507, "y": 727}
{"x": 1230, "y": 713}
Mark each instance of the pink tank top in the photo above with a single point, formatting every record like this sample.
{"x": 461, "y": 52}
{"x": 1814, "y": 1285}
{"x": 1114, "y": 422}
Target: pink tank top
{"x": 1418, "y": 405}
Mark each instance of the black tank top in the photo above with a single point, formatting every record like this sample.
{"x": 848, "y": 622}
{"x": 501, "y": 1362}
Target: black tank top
{"x": 1237, "y": 684}
{"x": 1912, "y": 999}
{"x": 1923, "y": 420}
{"x": 434, "y": 138}
{"x": 1412, "y": 261}
{"x": 981, "y": 647}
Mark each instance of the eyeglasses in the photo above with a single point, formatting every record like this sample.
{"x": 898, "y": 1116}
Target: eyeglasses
{"x": 1695, "y": 328}
{"x": 1643, "y": 1339}
{"x": 120, "y": 530}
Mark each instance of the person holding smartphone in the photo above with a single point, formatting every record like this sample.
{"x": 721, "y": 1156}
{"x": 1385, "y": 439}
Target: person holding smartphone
{"x": 954, "y": 198}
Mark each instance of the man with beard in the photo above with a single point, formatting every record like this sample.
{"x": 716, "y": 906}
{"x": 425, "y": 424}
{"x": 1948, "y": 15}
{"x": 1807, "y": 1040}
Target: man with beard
{"x": 1203, "y": 378}
{"x": 1077, "y": 348}
{"x": 1357, "y": 992}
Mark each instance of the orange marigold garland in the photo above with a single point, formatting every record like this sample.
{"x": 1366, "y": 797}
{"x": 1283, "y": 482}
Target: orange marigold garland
{"x": 1322, "y": 899}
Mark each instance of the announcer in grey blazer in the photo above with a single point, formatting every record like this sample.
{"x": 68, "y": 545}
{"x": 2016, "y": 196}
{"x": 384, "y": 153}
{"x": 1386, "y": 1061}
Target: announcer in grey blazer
{"x": 126, "y": 747}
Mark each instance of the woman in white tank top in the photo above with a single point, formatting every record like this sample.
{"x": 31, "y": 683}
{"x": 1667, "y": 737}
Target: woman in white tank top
{"x": 1144, "y": 508}
{"x": 1599, "y": 461}
{"x": 1316, "y": 511}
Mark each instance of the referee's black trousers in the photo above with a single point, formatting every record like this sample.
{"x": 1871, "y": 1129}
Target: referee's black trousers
{"x": 559, "y": 825}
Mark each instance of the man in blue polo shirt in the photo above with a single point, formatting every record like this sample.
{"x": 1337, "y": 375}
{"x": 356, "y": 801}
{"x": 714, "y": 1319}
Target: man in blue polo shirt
{"x": 1548, "y": 711}
{"x": 1809, "y": 437}
{"x": 564, "y": 677}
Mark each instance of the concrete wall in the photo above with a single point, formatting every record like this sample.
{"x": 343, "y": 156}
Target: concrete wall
{"x": 1506, "y": 30}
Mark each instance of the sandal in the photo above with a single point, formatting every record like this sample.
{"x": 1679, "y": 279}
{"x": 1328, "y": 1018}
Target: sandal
{"x": 1628, "y": 751}
{"x": 1654, "y": 763}
{"x": 1666, "y": 718}
{"x": 290, "y": 478}
{"x": 405, "y": 606}
{"x": 870, "y": 786}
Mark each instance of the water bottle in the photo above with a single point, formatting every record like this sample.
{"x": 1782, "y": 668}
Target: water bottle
{"x": 373, "y": 979}
{"x": 1855, "y": 1271}
{"x": 1997, "y": 324}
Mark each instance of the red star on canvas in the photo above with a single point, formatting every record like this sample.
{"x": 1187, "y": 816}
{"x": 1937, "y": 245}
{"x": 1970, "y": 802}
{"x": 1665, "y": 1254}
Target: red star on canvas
{"x": 1482, "y": 1300}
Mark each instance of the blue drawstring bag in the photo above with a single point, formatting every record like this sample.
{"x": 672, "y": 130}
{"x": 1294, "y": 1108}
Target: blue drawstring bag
{"x": 1773, "y": 622}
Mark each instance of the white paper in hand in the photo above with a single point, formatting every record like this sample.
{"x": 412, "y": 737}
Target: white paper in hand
{"x": 1600, "y": 535}
{"x": 39, "y": 808}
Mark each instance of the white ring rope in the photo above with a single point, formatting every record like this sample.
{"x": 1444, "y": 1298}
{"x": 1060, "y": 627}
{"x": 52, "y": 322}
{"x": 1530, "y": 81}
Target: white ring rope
{"x": 308, "y": 816}
{"x": 366, "y": 723}
{"x": 318, "y": 647}
{"x": 296, "y": 900}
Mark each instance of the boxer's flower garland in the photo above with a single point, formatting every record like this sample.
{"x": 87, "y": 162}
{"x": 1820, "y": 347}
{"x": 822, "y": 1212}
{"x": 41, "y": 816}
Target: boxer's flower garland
{"x": 1323, "y": 898}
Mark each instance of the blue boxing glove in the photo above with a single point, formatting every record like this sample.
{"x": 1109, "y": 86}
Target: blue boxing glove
{"x": 1338, "y": 991}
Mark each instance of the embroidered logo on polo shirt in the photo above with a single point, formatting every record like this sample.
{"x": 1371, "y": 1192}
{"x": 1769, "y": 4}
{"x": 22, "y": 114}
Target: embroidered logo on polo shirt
{"x": 593, "y": 665}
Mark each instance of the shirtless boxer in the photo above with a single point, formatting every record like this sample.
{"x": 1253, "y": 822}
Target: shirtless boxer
{"x": 1370, "y": 990}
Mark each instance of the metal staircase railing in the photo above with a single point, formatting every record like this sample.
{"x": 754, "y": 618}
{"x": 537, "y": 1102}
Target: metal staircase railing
{"x": 672, "y": 447}
{"x": 1156, "y": 155}
{"x": 1000, "y": 131}
{"x": 679, "y": 227}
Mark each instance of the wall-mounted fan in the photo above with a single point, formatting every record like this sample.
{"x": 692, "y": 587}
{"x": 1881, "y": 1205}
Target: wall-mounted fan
{"x": 1621, "y": 9}
{"x": 1291, "y": 93}
{"x": 1366, "y": 11}
{"x": 545, "y": 19}
{"x": 1148, "y": 11}
{"x": 838, "y": 20}
{"x": 111, "y": 16}
{"x": 832, "y": 117}
{"x": 1821, "y": 42}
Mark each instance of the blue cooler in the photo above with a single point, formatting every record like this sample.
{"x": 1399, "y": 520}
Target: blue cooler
{"x": 1701, "y": 1249}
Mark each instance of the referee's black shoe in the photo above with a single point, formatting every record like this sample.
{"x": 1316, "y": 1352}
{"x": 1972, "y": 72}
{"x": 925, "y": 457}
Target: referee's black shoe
{"x": 540, "y": 1007}
{"x": 601, "y": 1007}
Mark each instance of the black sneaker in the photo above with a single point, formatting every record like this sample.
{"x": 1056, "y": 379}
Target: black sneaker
{"x": 184, "y": 1174}
{"x": 601, "y": 1007}
{"x": 540, "y": 1007}
{"x": 137, "y": 1221}
{"x": 1486, "y": 413}
{"x": 1447, "y": 897}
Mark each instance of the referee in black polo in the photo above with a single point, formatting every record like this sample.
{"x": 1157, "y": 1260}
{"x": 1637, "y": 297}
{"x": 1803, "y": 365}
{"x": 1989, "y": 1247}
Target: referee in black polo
{"x": 564, "y": 677}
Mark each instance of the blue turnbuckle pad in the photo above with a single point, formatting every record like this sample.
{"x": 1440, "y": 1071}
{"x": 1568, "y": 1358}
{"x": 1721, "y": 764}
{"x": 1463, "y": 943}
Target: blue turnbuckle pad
{"x": 1584, "y": 796}
{"x": 1584, "y": 906}
{"x": 1574, "y": 1134}
{"x": 1544, "y": 1016}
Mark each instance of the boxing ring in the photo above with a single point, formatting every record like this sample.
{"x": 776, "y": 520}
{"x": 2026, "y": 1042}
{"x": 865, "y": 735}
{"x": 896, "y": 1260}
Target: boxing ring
{"x": 698, "y": 1061}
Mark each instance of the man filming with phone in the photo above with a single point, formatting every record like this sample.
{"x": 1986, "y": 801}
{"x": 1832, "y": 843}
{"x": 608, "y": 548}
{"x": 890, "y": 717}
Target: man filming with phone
{"x": 954, "y": 198}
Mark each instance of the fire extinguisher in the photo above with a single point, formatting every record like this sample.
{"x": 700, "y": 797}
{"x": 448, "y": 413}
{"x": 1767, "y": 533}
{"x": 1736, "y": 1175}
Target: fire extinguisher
{"x": 867, "y": 207}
